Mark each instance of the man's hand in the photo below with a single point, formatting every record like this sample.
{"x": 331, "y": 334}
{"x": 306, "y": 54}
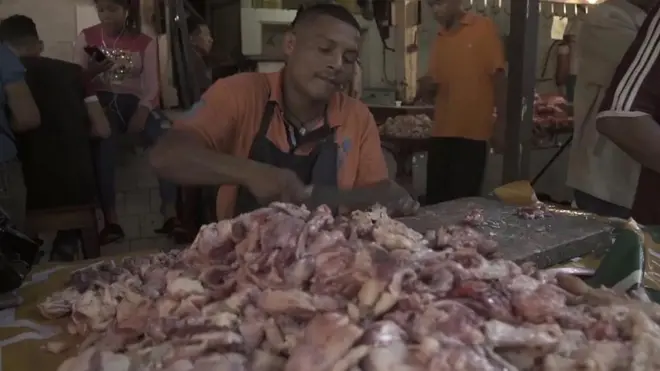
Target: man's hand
{"x": 269, "y": 183}
{"x": 426, "y": 90}
{"x": 498, "y": 140}
{"x": 138, "y": 120}
{"x": 399, "y": 202}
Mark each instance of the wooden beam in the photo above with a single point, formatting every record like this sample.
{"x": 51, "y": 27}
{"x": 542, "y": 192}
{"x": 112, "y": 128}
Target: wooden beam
{"x": 406, "y": 24}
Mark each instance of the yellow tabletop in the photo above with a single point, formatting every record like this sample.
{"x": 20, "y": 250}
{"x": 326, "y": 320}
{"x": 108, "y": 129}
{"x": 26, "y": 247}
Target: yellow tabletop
{"x": 23, "y": 332}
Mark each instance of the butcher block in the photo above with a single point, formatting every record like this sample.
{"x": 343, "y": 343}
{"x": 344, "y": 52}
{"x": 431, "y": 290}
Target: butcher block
{"x": 563, "y": 235}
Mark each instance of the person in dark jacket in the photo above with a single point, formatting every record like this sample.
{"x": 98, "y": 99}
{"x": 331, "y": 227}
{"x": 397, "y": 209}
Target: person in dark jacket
{"x": 56, "y": 157}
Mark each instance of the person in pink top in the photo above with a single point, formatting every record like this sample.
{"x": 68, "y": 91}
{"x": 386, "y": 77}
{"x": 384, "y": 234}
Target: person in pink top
{"x": 127, "y": 84}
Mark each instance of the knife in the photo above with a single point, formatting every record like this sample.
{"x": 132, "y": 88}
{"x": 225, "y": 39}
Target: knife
{"x": 354, "y": 198}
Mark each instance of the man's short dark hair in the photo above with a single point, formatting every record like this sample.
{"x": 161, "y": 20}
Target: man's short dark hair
{"x": 336, "y": 11}
{"x": 18, "y": 30}
{"x": 194, "y": 24}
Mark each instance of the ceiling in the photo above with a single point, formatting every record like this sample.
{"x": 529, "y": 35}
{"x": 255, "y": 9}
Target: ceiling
{"x": 578, "y": 2}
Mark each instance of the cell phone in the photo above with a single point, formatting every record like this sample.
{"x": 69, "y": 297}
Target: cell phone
{"x": 95, "y": 53}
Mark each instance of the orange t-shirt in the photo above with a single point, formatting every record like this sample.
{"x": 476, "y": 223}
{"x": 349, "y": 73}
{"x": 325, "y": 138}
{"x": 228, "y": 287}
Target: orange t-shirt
{"x": 463, "y": 62}
{"x": 229, "y": 115}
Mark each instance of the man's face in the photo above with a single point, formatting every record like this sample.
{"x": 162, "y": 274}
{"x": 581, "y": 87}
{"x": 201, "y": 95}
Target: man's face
{"x": 321, "y": 56}
{"x": 444, "y": 10}
{"x": 202, "y": 39}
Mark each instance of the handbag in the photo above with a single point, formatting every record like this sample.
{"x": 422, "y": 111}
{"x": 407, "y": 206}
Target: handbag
{"x": 18, "y": 253}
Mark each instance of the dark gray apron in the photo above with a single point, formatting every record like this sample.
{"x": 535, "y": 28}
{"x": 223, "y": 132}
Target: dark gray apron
{"x": 319, "y": 167}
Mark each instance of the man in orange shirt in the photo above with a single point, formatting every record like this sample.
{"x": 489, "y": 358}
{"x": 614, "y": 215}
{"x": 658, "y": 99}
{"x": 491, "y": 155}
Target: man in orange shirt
{"x": 267, "y": 137}
{"x": 466, "y": 81}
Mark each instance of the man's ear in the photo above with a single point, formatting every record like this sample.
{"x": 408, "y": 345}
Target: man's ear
{"x": 289, "y": 43}
{"x": 41, "y": 47}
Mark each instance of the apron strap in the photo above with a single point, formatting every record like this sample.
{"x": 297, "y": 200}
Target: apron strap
{"x": 269, "y": 109}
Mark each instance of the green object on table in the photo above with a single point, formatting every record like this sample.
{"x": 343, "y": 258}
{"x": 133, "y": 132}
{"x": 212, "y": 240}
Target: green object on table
{"x": 632, "y": 262}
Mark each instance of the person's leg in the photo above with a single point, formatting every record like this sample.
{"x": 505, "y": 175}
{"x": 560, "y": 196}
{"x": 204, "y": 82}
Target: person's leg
{"x": 468, "y": 165}
{"x": 589, "y": 203}
{"x": 437, "y": 163}
{"x": 105, "y": 160}
{"x": 156, "y": 125}
{"x": 13, "y": 193}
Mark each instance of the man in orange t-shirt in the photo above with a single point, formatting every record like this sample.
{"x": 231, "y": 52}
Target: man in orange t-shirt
{"x": 466, "y": 81}
{"x": 267, "y": 137}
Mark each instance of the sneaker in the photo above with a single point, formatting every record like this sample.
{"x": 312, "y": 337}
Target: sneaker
{"x": 111, "y": 233}
{"x": 168, "y": 227}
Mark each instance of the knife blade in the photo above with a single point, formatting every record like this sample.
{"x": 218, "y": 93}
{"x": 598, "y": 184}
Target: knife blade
{"x": 336, "y": 197}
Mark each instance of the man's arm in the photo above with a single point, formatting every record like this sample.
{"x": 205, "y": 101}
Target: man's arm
{"x": 372, "y": 182}
{"x": 630, "y": 109}
{"x": 428, "y": 84}
{"x": 24, "y": 112}
{"x": 196, "y": 150}
{"x": 496, "y": 65}
{"x": 638, "y": 135}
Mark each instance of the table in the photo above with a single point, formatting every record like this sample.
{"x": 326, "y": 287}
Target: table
{"x": 546, "y": 242}
{"x": 383, "y": 112}
{"x": 403, "y": 149}
{"x": 23, "y": 331}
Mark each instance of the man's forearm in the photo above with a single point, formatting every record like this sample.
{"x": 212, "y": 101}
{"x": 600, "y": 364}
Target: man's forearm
{"x": 182, "y": 158}
{"x": 500, "y": 91}
{"x": 360, "y": 197}
{"x": 637, "y": 136}
{"x": 427, "y": 90}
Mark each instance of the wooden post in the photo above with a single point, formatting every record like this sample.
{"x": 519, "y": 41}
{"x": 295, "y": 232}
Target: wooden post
{"x": 406, "y": 24}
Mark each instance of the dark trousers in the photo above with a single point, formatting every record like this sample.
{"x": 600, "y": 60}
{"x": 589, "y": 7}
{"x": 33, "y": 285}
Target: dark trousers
{"x": 120, "y": 108}
{"x": 455, "y": 169}
{"x": 587, "y": 202}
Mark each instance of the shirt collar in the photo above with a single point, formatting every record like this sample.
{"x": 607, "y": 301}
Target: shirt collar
{"x": 275, "y": 86}
{"x": 466, "y": 20}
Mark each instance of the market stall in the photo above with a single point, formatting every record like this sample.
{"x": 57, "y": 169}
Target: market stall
{"x": 286, "y": 288}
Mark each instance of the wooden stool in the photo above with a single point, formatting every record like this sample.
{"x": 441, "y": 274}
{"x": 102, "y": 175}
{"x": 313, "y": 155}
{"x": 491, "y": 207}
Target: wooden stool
{"x": 77, "y": 217}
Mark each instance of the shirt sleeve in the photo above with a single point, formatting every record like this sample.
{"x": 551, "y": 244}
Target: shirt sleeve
{"x": 150, "y": 78}
{"x": 634, "y": 89}
{"x": 372, "y": 167}
{"x": 214, "y": 117}
{"x": 603, "y": 40}
{"x": 494, "y": 48}
{"x": 11, "y": 68}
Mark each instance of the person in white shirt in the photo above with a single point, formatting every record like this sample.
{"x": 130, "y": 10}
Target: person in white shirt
{"x": 567, "y": 67}
{"x": 603, "y": 176}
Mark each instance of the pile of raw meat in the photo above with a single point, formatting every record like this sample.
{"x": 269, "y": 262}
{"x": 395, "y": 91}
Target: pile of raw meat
{"x": 550, "y": 114}
{"x": 283, "y": 288}
{"x": 407, "y": 126}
